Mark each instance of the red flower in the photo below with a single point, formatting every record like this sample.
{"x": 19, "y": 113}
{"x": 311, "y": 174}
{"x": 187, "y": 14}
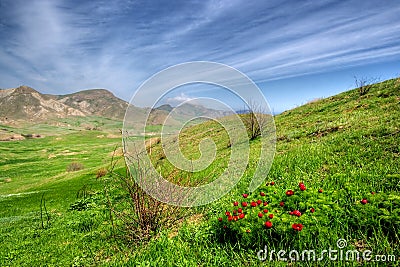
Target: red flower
{"x": 260, "y": 215}
{"x": 244, "y": 204}
{"x": 245, "y": 195}
{"x": 253, "y": 204}
{"x": 312, "y": 210}
{"x": 282, "y": 204}
{"x": 248, "y": 231}
{"x": 320, "y": 190}
{"x": 289, "y": 193}
{"x": 241, "y": 215}
{"x": 220, "y": 219}
{"x": 268, "y": 224}
{"x": 224, "y": 226}
{"x": 271, "y": 216}
{"x": 265, "y": 203}
{"x": 297, "y": 226}
{"x": 235, "y": 218}
{"x": 262, "y": 194}
{"x": 302, "y": 186}
{"x": 295, "y": 213}
{"x": 230, "y": 218}
{"x": 240, "y": 210}
{"x": 235, "y": 203}
{"x": 259, "y": 202}
{"x": 235, "y": 212}
{"x": 364, "y": 201}
{"x": 272, "y": 183}
{"x": 227, "y": 213}
{"x": 265, "y": 211}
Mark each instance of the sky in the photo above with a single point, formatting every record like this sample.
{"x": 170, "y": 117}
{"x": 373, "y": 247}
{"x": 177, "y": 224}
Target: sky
{"x": 295, "y": 51}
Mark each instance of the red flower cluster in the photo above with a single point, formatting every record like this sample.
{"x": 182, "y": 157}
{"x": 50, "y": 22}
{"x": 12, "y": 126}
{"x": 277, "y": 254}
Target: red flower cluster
{"x": 302, "y": 186}
{"x": 295, "y": 213}
{"x": 297, "y": 227}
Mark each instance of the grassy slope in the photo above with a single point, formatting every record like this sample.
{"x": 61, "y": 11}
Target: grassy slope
{"x": 328, "y": 143}
{"x": 332, "y": 143}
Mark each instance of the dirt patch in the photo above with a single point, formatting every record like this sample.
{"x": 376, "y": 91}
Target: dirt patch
{"x": 113, "y": 136}
{"x": 66, "y": 153}
{"x": 14, "y": 137}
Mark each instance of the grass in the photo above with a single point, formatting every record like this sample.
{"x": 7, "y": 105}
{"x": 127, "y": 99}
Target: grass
{"x": 345, "y": 143}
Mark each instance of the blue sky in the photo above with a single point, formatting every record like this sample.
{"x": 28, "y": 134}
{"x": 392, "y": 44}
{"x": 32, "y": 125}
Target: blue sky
{"x": 295, "y": 51}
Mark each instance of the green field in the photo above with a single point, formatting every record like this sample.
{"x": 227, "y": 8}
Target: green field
{"x": 348, "y": 145}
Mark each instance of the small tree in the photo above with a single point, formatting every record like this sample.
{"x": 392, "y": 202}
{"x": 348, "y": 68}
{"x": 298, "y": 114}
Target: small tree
{"x": 364, "y": 84}
{"x": 255, "y": 119}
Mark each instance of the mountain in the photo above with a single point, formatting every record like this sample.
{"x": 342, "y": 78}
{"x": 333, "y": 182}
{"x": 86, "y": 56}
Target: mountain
{"x": 99, "y": 102}
{"x": 25, "y": 103}
{"x": 183, "y": 113}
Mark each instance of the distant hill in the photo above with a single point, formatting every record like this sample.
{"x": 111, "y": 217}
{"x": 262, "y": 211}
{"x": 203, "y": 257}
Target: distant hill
{"x": 28, "y": 105}
{"x": 25, "y": 103}
{"x": 184, "y": 113}
{"x": 99, "y": 102}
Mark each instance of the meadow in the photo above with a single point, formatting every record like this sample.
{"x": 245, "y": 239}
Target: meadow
{"x": 344, "y": 149}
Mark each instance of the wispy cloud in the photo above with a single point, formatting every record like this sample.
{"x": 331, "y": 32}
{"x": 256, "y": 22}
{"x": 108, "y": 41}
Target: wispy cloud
{"x": 63, "y": 46}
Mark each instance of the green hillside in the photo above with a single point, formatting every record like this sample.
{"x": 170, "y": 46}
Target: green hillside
{"x": 346, "y": 145}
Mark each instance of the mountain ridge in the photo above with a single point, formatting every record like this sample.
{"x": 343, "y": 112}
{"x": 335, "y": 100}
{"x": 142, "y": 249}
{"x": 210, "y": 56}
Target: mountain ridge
{"x": 24, "y": 103}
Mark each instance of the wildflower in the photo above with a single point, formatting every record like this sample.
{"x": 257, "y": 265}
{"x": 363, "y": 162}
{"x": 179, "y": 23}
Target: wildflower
{"x": 297, "y": 226}
{"x": 289, "y": 193}
{"x": 268, "y": 224}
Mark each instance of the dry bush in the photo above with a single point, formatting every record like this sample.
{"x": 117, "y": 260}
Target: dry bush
{"x": 101, "y": 172}
{"x": 75, "y": 166}
{"x": 255, "y": 120}
{"x": 135, "y": 215}
{"x": 364, "y": 85}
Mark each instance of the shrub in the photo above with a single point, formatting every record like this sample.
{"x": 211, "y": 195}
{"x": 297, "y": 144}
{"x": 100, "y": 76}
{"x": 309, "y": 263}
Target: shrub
{"x": 75, "y": 166}
{"x": 101, "y": 172}
{"x": 135, "y": 215}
